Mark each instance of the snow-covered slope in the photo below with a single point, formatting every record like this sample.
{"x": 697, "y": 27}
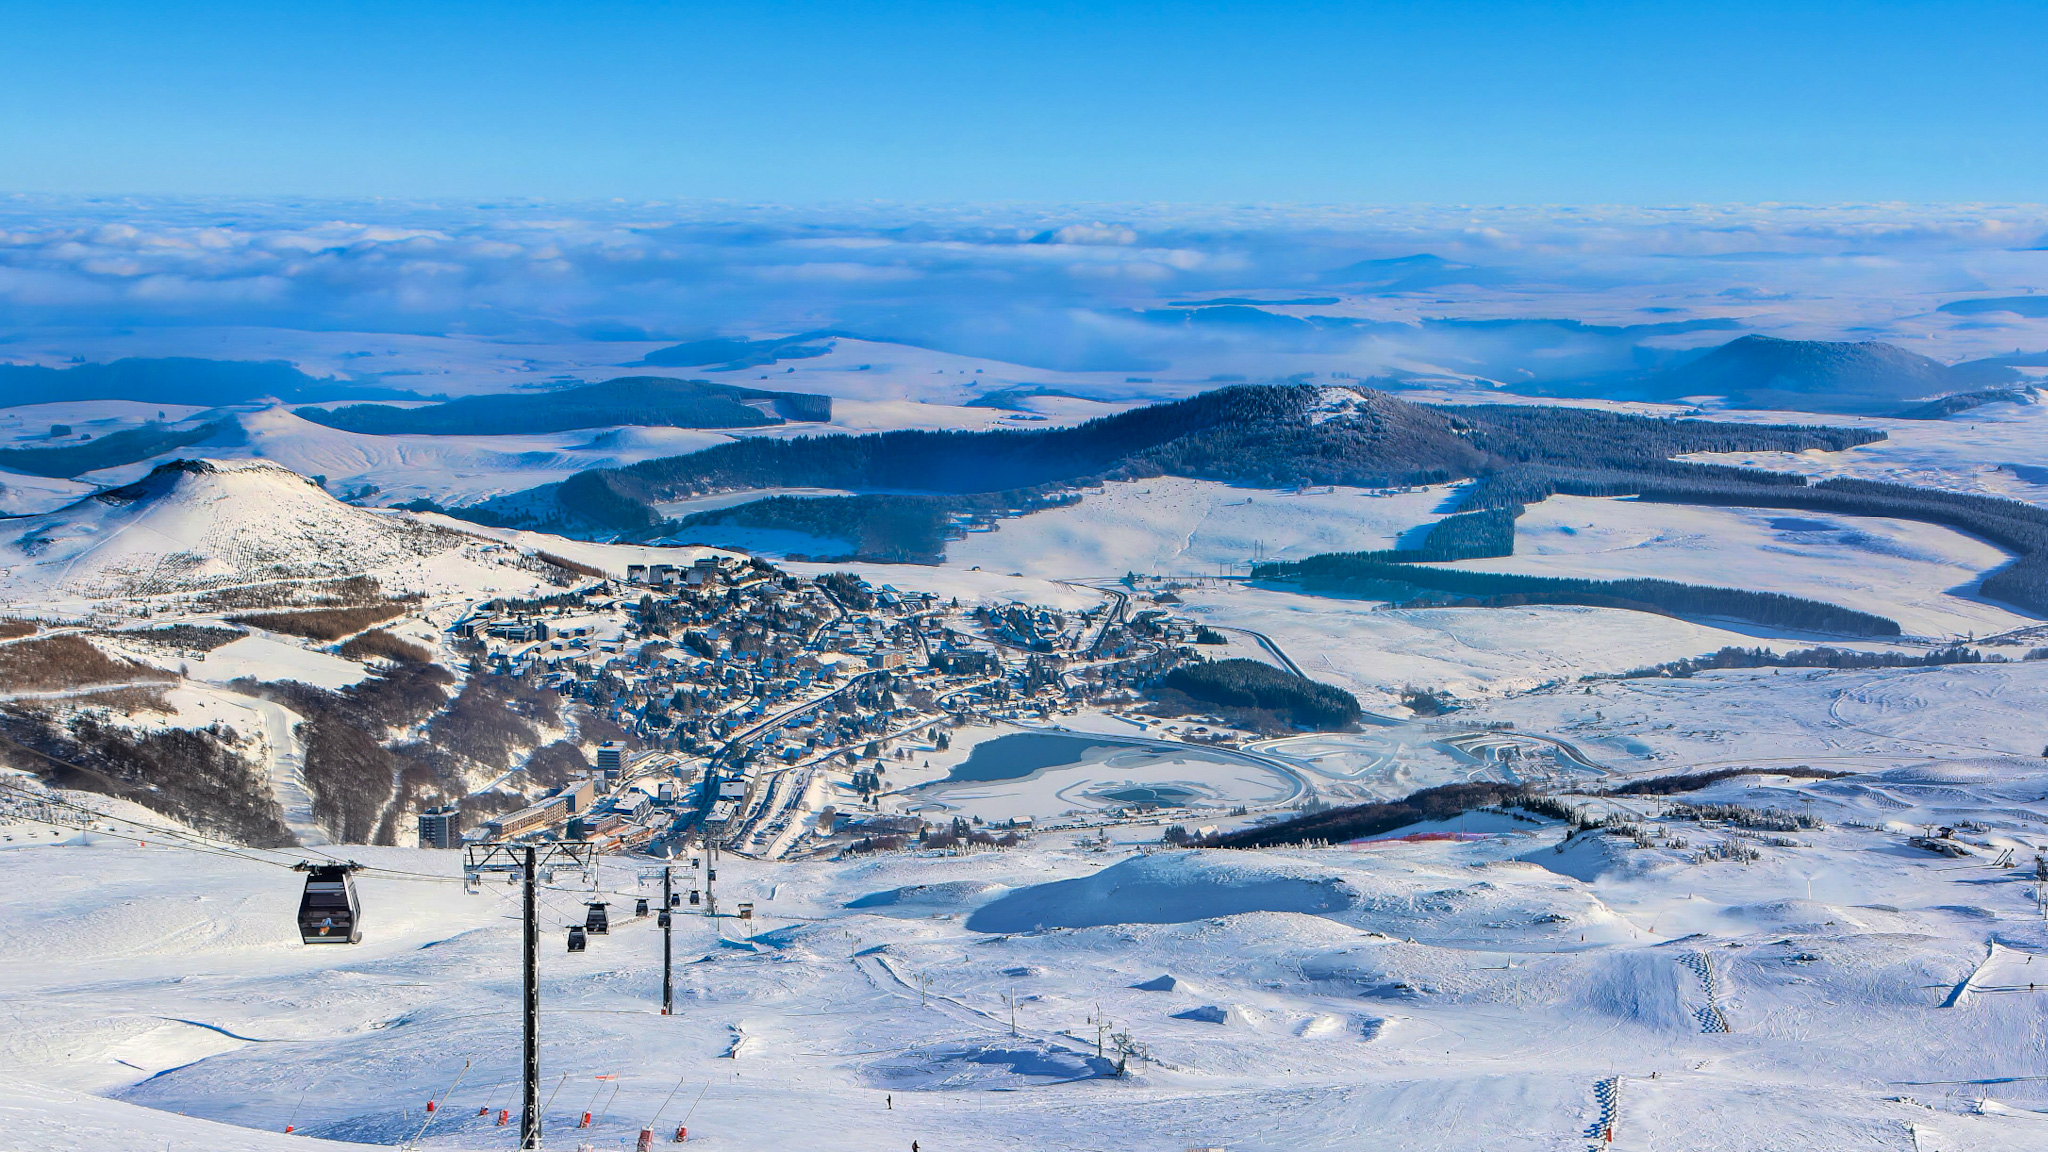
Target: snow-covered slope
{"x": 1530, "y": 991}
{"x": 194, "y": 525}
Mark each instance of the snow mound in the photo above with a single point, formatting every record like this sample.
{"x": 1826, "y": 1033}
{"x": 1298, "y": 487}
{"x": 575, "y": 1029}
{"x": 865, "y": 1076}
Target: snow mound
{"x": 1937, "y": 773}
{"x": 1360, "y": 973}
{"x": 1167, "y": 888}
{"x": 983, "y": 1065}
{"x": 1794, "y": 914}
{"x": 1164, "y": 982}
{"x": 945, "y": 894}
{"x": 1206, "y": 1014}
{"x": 1589, "y": 856}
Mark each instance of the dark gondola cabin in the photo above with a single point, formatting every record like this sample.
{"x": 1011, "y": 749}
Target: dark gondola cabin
{"x": 329, "y": 912}
{"x": 693, "y": 896}
{"x": 640, "y": 906}
{"x": 576, "y": 938}
{"x": 597, "y": 923}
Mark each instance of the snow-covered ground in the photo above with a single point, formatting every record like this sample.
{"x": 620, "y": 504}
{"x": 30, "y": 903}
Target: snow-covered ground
{"x": 1844, "y": 990}
{"x": 1922, "y": 575}
{"x": 1995, "y": 450}
{"x": 1173, "y": 526}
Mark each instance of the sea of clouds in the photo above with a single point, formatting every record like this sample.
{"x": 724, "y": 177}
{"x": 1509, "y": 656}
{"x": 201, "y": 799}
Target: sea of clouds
{"x": 1104, "y": 287}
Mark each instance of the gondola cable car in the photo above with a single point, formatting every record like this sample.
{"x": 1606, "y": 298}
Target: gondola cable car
{"x": 329, "y": 910}
{"x": 640, "y": 906}
{"x": 577, "y": 940}
{"x": 597, "y": 922}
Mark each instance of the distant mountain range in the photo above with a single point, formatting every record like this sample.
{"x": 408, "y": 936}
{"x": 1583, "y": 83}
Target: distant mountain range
{"x": 2032, "y": 306}
{"x": 731, "y": 355}
{"x": 182, "y": 380}
{"x": 648, "y": 401}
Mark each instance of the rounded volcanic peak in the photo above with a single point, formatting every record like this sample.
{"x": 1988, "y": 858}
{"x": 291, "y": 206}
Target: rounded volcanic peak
{"x": 184, "y": 479}
{"x": 193, "y": 524}
{"x": 1834, "y": 375}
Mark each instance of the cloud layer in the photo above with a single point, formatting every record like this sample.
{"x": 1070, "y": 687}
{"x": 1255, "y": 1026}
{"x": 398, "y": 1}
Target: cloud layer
{"x": 1061, "y": 287}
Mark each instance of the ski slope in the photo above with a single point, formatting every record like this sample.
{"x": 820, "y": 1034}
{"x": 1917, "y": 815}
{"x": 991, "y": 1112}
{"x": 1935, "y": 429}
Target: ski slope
{"x": 1434, "y": 995}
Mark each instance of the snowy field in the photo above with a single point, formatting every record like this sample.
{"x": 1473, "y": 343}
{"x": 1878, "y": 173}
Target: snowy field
{"x": 1843, "y": 991}
{"x": 1796, "y": 715}
{"x": 1922, "y": 575}
{"x": 1173, "y": 526}
{"x": 1372, "y": 652}
{"x": 1995, "y": 450}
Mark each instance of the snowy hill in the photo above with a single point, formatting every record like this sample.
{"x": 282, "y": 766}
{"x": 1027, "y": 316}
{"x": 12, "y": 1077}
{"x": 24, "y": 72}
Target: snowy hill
{"x": 191, "y": 525}
{"x": 1816, "y": 375}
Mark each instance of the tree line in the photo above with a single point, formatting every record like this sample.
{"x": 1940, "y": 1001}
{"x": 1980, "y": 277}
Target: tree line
{"x": 1251, "y": 684}
{"x": 1822, "y": 657}
{"x": 1456, "y": 587}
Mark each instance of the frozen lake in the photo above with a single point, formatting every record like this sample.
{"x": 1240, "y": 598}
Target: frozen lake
{"x": 1046, "y": 775}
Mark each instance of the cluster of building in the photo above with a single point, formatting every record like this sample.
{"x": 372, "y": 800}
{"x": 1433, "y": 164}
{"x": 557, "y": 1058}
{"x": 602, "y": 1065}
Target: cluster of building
{"x": 729, "y": 669}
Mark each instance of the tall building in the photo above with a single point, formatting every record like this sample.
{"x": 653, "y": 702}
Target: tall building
{"x": 441, "y": 827}
{"x": 611, "y": 759}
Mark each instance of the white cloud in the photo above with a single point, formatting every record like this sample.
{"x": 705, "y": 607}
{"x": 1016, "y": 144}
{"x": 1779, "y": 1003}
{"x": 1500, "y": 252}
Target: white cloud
{"x": 1058, "y": 283}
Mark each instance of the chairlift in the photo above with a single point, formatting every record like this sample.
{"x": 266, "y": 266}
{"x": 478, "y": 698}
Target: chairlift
{"x": 596, "y": 922}
{"x": 472, "y": 883}
{"x": 693, "y": 897}
{"x": 577, "y": 940}
{"x": 329, "y": 912}
{"x": 640, "y": 906}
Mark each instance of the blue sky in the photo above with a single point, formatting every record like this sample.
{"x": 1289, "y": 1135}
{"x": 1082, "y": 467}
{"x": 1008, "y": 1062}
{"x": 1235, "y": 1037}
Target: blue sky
{"x": 1046, "y": 102}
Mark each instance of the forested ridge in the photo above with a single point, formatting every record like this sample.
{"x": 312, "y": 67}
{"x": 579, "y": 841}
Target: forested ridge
{"x": 1286, "y": 435}
{"x": 1258, "y": 435}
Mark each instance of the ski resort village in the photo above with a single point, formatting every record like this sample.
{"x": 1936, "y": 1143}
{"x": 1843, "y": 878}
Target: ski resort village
{"x": 1252, "y": 685}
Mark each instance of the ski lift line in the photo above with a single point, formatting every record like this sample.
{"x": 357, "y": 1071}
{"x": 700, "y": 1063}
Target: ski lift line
{"x": 198, "y": 842}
